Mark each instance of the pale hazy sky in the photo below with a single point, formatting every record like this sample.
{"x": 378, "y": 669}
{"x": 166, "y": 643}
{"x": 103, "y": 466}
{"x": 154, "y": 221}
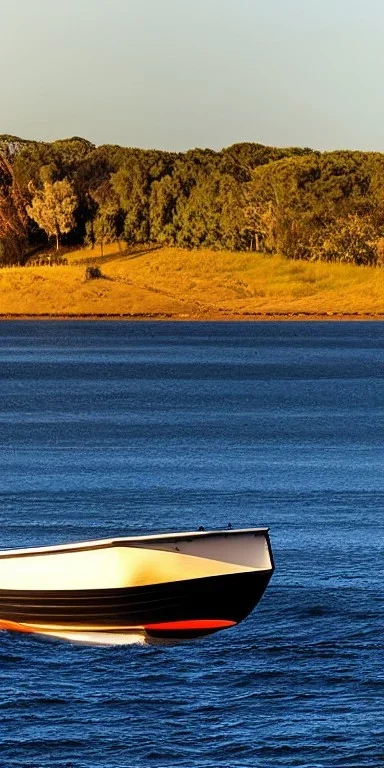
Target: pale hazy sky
{"x": 176, "y": 74}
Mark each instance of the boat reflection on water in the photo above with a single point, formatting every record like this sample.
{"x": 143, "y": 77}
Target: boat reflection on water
{"x": 153, "y": 589}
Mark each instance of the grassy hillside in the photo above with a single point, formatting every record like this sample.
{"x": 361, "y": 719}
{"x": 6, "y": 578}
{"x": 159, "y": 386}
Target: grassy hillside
{"x": 171, "y": 282}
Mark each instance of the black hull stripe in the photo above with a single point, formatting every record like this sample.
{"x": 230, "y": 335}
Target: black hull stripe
{"x": 230, "y": 597}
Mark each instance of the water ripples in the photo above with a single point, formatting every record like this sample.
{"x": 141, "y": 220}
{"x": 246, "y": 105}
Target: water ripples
{"x": 166, "y": 427}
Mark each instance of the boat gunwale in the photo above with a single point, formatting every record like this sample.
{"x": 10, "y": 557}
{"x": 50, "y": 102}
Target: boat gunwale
{"x": 96, "y": 544}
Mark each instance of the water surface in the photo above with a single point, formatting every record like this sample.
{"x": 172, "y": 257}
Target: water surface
{"x": 126, "y": 428}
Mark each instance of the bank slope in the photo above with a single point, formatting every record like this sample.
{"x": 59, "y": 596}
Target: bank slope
{"x": 176, "y": 283}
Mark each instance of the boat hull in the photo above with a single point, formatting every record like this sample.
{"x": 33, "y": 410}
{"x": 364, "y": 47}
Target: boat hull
{"x": 174, "y": 609}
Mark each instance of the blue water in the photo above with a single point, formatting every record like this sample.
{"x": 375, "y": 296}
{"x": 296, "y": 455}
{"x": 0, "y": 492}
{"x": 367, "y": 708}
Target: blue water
{"x": 122, "y": 428}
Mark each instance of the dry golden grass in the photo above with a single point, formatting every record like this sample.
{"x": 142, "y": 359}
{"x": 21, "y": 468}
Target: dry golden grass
{"x": 173, "y": 282}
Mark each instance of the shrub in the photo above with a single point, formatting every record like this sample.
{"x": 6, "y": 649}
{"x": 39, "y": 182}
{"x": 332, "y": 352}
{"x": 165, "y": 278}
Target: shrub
{"x": 93, "y": 273}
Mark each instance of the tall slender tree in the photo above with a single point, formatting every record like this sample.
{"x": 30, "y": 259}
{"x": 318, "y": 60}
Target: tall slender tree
{"x": 13, "y": 215}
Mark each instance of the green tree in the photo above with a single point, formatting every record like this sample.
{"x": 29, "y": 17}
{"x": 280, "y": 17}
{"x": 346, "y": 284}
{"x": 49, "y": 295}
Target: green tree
{"x": 131, "y": 187}
{"x": 353, "y": 240}
{"x": 162, "y": 205}
{"x": 53, "y": 208}
{"x": 108, "y": 224}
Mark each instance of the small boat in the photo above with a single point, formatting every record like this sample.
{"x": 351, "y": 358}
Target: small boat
{"x": 172, "y": 586}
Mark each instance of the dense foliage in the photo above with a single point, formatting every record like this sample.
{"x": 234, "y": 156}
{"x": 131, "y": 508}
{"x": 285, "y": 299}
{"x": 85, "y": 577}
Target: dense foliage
{"x": 301, "y": 203}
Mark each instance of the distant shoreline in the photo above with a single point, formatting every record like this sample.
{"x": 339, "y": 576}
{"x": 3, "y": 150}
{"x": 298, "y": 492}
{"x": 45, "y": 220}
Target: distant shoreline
{"x": 216, "y": 318}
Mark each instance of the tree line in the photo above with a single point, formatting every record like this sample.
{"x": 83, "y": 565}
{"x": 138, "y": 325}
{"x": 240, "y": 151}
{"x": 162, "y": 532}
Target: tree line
{"x": 298, "y": 202}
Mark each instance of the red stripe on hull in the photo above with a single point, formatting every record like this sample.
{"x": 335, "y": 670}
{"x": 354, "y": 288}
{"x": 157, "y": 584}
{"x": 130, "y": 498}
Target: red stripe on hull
{"x": 14, "y": 626}
{"x": 191, "y": 625}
